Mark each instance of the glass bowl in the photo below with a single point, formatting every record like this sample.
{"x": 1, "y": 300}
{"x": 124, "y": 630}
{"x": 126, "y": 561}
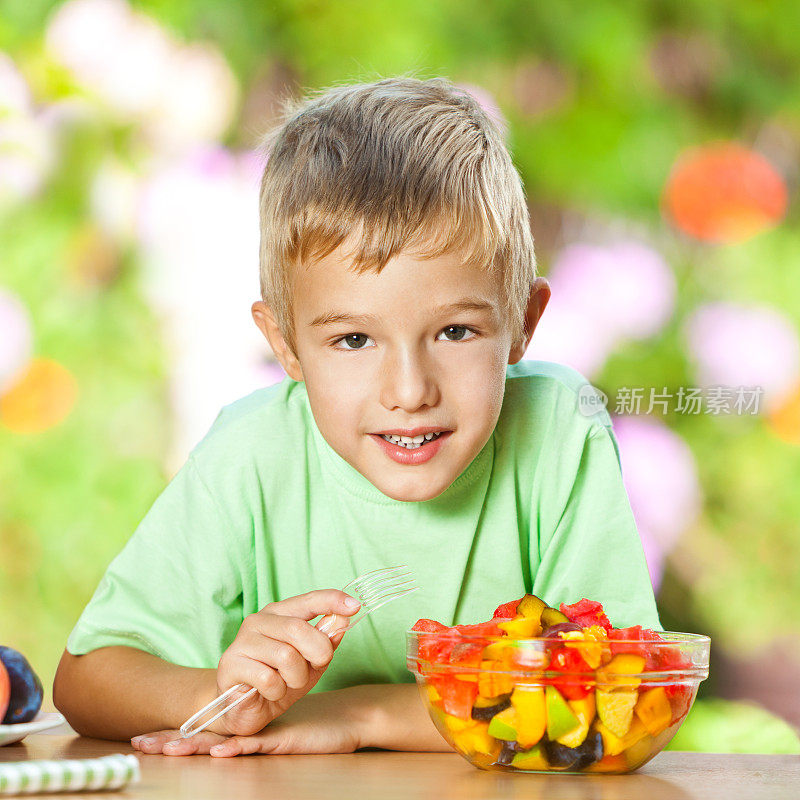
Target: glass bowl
{"x": 568, "y": 703}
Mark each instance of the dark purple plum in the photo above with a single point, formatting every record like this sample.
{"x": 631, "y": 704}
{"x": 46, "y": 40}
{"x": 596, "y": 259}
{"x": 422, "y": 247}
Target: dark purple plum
{"x": 562, "y": 627}
{"x": 507, "y": 753}
{"x": 26, "y": 688}
{"x": 560, "y": 756}
{"x": 486, "y": 707}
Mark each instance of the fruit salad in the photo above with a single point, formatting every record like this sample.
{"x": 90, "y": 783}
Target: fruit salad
{"x": 538, "y": 688}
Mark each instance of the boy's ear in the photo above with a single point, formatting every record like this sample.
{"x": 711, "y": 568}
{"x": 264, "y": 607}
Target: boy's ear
{"x": 537, "y": 300}
{"x": 265, "y": 320}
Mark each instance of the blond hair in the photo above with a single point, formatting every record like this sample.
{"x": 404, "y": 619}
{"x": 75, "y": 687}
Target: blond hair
{"x": 406, "y": 165}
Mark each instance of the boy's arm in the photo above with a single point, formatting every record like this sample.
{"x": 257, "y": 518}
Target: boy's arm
{"x": 397, "y": 719}
{"x": 155, "y": 695}
{"x": 120, "y": 692}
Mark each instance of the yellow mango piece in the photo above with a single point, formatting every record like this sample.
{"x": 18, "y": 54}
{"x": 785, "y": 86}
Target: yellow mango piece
{"x": 456, "y": 724}
{"x": 521, "y": 627}
{"x": 476, "y": 739}
{"x": 584, "y": 710}
{"x": 491, "y": 681}
{"x": 615, "y": 709}
{"x": 498, "y": 651}
{"x": 433, "y": 695}
{"x": 619, "y": 670}
{"x": 654, "y": 710}
{"x": 613, "y": 745}
{"x": 529, "y": 703}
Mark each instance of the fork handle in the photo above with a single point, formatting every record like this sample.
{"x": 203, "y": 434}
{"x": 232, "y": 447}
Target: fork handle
{"x": 193, "y": 724}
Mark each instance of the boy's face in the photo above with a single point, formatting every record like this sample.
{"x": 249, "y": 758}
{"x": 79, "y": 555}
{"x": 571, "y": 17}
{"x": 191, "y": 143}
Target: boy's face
{"x": 420, "y": 347}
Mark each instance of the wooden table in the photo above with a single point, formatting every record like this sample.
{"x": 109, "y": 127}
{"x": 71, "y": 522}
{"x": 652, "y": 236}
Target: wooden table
{"x": 388, "y": 775}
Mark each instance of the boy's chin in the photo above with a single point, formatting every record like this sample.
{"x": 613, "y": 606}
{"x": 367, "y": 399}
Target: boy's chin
{"x": 413, "y": 491}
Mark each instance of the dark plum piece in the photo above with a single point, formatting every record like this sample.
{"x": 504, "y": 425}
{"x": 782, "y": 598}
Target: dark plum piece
{"x": 591, "y": 750}
{"x": 486, "y": 707}
{"x": 562, "y": 627}
{"x": 560, "y": 756}
{"x": 26, "y": 688}
{"x": 507, "y": 753}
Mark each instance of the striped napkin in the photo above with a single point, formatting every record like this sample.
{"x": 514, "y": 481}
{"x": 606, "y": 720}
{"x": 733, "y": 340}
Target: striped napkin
{"x": 32, "y": 777}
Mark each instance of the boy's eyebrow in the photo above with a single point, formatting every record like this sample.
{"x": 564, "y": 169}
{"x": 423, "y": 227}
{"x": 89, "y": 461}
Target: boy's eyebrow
{"x": 466, "y": 304}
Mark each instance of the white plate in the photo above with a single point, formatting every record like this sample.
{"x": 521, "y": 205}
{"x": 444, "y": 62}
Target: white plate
{"x": 41, "y": 722}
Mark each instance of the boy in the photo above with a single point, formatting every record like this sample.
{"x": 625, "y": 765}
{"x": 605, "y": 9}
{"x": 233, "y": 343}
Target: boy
{"x": 398, "y": 282}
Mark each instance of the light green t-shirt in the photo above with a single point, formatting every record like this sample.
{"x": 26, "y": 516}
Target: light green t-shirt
{"x": 264, "y": 509}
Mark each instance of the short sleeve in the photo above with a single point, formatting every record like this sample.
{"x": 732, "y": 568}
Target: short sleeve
{"x": 174, "y": 590}
{"x": 594, "y": 549}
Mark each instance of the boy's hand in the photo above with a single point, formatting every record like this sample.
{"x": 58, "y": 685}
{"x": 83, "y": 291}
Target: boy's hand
{"x": 281, "y": 655}
{"x": 328, "y": 722}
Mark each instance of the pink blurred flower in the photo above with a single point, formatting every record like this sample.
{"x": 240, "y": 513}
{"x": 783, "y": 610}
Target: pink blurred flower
{"x": 733, "y": 344}
{"x": 660, "y": 476}
{"x": 180, "y": 94}
{"x": 602, "y": 295}
{"x": 16, "y": 342}
{"x": 26, "y": 144}
{"x": 197, "y": 225}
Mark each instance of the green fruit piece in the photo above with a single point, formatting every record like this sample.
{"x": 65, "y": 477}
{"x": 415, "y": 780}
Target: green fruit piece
{"x": 531, "y": 606}
{"x": 615, "y": 709}
{"x": 531, "y": 759}
{"x": 552, "y": 616}
{"x": 560, "y": 718}
{"x": 504, "y": 725}
{"x": 584, "y": 710}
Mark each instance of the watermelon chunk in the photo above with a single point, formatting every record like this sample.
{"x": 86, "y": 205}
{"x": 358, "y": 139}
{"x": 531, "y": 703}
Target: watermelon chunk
{"x": 570, "y": 661}
{"x": 586, "y": 613}
{"x": 507, "y": 610}
{"x": 457, "y": 696}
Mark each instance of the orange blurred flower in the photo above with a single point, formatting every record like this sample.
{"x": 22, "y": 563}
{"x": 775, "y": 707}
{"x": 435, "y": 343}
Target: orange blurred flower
{"x": 724, "y": 193}
{"x": 785, "y": 419}
{"x": 42, "y": 397}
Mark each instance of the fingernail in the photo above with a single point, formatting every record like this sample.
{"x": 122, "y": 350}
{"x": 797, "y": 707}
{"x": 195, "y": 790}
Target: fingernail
{"x": 218, "y": 748}
{"x": 351, "y": 602}
{"x": 147, "y": 741}
{"x": 136, "y": 740}
{"x": 171, "y": 744}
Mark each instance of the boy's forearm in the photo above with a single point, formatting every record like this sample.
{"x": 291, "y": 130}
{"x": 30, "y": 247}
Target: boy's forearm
{"x": 398, "y": 720}
{"x": 120, "y": 692}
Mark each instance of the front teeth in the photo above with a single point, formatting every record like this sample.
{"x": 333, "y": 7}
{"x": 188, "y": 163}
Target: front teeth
{"x": 409, "y": 442}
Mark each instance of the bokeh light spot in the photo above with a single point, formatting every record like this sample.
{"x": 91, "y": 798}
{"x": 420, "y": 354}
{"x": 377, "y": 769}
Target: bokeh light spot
{"x": 724, "y": 193}
{"x": 44, "y": 396}
{"x": 785, "y": 419}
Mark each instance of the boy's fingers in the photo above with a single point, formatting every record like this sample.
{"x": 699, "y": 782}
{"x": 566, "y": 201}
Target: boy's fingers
{"x": 312, "y": 604}
{"x": 199, "y": 743}
{"x": 171, "y": 743}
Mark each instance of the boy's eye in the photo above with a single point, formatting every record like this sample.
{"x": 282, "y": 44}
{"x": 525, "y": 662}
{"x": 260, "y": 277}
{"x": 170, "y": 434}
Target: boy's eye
{"x": 457, "y": 333}
{"x": 353, "y": 341}
{"x": 359, "y": 341}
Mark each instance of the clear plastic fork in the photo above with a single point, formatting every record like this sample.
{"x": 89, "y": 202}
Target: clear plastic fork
{"x": 372, "y": 589}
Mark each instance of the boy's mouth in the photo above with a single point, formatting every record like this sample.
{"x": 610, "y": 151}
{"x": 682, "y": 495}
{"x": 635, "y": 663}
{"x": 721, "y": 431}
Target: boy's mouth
{"x": 414, "y": 452}
{"x": 409, "y": 442}
{"x": 412, "y": 439}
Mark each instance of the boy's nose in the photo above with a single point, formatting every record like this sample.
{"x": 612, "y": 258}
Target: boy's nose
{"x": 408, "y": 382}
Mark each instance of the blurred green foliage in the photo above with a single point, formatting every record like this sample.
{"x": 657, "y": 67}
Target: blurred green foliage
{"x": 600, "y": 99}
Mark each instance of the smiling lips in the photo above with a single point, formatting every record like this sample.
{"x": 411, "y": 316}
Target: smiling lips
{"x": 414, "y": 446}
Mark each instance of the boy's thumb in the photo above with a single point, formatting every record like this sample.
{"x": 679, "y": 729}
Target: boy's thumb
{"x": 350, "y": 603}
